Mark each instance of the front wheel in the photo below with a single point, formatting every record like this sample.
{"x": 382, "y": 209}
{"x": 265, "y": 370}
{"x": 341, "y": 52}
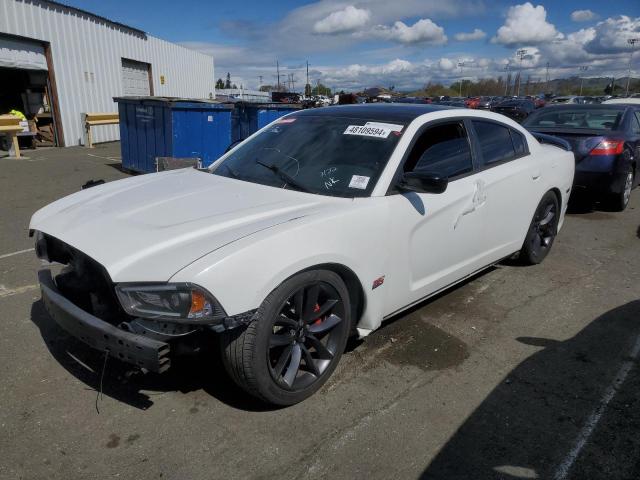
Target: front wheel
{"x": 294, "y": 342}
{"x": 542, "y": 231}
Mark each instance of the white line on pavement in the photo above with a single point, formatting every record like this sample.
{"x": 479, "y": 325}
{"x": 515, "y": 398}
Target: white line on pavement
{"x": 8, "y": 292}
{"x": 7, "y": 255}
{"x": 105, "y": 158}
{"x": 563, "y": 469}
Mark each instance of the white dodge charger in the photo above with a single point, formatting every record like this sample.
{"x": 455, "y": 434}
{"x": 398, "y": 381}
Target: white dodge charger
{"x": 318, "y": 227}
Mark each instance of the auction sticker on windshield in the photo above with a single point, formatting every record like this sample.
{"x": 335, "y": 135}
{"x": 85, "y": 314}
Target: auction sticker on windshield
{"x": 364, "y": 131}
{"x": 359, "y": 181}
{"x": 391, "y": 126}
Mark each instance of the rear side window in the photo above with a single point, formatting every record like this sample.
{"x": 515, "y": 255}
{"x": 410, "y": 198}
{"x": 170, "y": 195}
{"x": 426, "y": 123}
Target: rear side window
{"x": 518, "y": 143}
{"x": 635, "y": 122}
{"x": 499, "y": 143}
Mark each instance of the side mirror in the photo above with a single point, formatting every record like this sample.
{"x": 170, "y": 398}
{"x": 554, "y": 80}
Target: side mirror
{"x": 423, "y": 182}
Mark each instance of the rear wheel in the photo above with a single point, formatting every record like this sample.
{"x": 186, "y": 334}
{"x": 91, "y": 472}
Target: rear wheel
{"x": 619, "y": 201}
{"x": 542, "y": 231}
{"x": 295, "y": 341}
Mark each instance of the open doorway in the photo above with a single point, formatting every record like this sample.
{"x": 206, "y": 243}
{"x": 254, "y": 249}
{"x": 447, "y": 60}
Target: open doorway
{"x": 27, "y": 91}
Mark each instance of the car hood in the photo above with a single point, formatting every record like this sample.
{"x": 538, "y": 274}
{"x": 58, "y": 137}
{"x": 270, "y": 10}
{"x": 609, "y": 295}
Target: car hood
{"x": 146, "y": 228}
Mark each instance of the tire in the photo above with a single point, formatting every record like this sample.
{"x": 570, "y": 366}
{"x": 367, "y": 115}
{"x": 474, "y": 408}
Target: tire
{"x": 619, "y": 201}
{"x": 542, "y": 231}
{"x": 306, "y": 321}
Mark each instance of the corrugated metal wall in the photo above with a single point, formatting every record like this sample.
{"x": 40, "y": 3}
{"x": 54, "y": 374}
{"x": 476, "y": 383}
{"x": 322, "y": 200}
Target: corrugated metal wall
{"x": 87, "y": 58}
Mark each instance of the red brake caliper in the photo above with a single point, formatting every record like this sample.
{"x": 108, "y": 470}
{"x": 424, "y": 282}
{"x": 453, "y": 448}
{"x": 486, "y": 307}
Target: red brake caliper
{"x": 317, "y": 321}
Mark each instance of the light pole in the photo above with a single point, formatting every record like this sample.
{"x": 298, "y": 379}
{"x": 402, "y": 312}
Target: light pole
{"x": 547, "y": 87}
{"x": 632, "y": 42}
{"x": 507, "y": 68}
{"x": 460, "y": 64}
{"x": 520, "y": 53}
{"x": 583, "y": 68}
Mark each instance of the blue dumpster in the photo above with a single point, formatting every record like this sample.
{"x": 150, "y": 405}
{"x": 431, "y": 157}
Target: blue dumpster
{"x": 248, "y": 118}
{"x": 153, "y": 127}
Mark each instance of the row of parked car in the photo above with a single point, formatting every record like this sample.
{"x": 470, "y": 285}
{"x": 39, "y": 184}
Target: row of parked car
{"x": 515, "y": 107}
{"x": 602, "y": 132}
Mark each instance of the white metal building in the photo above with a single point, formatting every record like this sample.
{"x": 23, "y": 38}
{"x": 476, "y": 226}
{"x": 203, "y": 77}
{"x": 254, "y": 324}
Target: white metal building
{"x": 69, "y": 62}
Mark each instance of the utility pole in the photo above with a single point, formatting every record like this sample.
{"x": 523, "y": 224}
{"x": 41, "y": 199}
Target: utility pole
{"x": 521, "y": 54}
{"x": 260, "y": 81}
{"x": 293, "y": 83}
{"x": 278, "y": 75}
{"x": 305, "y": 85}
{"x": 546, "y": 89}
{"x": 632, "y": 42}
{"x": 583, "y": 69}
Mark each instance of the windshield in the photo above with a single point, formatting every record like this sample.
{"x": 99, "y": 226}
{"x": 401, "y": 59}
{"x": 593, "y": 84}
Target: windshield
{"x": 325, "y": 155}
{"x": 595, "y": 119}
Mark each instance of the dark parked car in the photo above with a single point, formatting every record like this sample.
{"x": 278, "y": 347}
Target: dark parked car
{"x": 516, "y": 109}
{"x": 605, "y": 140}
{"x": 486, "y": 103}
{"x": 411, "y": 100}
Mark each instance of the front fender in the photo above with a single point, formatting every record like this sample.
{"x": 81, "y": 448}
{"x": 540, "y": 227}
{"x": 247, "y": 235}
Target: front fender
{"x": 242, "y": 274}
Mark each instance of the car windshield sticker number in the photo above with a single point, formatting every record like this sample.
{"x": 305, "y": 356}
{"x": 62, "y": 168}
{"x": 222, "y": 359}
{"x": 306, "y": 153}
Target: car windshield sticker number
{"x": 358, "y": 181}
{"x": 365, "y": 131}
{"x": 391, "y": 126}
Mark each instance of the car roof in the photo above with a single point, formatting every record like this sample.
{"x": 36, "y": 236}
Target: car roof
{"x": 622, "y": 101}
{"x": 389, "y": 112}
{"x": 584, "y": 106}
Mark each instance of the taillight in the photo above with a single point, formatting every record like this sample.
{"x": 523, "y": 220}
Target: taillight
{"x": 608, "y": 147}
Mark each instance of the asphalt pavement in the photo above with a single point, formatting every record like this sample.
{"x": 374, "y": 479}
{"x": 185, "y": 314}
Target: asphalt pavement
{"x": 521, "y": 372}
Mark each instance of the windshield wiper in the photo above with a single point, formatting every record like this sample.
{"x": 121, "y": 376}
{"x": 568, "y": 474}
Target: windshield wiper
{"x": 285, "y": 177}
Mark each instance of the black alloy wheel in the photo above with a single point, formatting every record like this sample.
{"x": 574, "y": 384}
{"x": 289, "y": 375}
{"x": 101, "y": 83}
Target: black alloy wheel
{"x": 306, "y": 335}
{"x": 542, "y": 231}
{"x": 295, "y": 340}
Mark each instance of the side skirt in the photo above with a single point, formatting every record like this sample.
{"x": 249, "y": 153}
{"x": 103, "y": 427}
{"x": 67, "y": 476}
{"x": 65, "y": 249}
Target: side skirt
{"x": 436, "y": 292}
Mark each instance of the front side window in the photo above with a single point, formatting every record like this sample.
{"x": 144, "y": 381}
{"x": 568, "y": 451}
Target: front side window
{"x": 442, "y": 149}
{"x": 334, "y": 156}
{"x": 496, "y": 142}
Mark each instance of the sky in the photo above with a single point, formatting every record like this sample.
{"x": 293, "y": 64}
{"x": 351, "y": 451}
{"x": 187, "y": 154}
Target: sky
{"x": 352, "y": 45}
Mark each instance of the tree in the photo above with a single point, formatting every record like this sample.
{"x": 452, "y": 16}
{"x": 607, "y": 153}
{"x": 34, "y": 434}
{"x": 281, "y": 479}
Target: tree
{"x": 307, "y": 90}
{"x": 267, "y": 88}
{"x": 219, "y": 84}
{"x": 227, "y": 83}
{"x": 234, "y": 86}
{"x": 321, "y": 89}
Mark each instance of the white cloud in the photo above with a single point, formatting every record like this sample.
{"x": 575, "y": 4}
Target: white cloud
{"x": 446, "y": 64}
{"x": 611, "y": 35}
{"x": 423, "y": 31}
{"x": 526, "y": 24}
{"x": 582, "y": 15}
{"x": 477, "y": 34}
{"x": 347, "y": 20}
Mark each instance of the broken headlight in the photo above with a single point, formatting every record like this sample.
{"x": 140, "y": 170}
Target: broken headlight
{"x": 178, "y": 302}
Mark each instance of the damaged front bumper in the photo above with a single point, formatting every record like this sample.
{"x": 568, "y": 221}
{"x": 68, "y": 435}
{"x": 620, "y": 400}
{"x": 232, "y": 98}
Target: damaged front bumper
{"x": 138, "y": 350}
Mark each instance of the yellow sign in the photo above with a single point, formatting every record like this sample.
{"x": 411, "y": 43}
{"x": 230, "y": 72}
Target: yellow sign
{"x": 161, "y": 79}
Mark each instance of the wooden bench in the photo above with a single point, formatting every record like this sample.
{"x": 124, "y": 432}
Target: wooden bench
{"x": 10, "y": 125}
{"x": 95, "y": 119}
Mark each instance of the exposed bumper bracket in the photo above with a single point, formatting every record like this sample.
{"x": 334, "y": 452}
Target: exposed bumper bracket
{"x": 138, "y": 350}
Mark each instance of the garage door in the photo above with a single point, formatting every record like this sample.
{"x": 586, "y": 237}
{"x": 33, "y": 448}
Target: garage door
{"x": 18, "y": 53}
{"x": 135, "y": 78}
